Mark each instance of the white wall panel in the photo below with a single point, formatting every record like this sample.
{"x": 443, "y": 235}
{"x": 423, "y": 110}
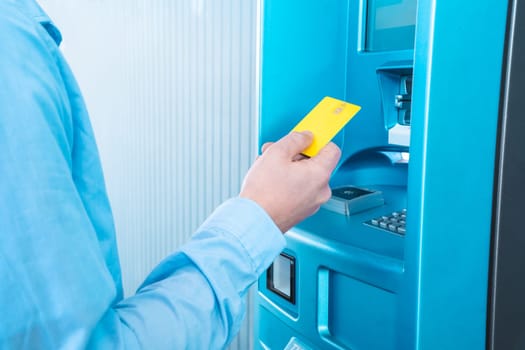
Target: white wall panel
{"x": 170, "y": 86}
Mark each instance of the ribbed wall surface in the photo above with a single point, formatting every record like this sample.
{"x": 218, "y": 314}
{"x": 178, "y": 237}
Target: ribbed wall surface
{"x": 170, "y": 86}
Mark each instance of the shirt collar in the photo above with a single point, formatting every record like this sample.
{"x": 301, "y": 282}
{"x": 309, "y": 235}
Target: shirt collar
{"x": 34, "y": 10}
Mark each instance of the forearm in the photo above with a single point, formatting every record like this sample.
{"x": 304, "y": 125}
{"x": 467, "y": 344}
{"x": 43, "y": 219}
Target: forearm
{"x": 195, "y": 299}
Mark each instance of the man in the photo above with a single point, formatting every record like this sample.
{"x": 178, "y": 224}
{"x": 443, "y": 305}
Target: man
{"x": 61, "y": 283}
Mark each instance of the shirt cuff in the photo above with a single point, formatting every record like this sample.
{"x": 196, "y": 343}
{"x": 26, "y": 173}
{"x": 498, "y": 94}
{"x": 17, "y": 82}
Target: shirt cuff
{"x": 251, "y": 226}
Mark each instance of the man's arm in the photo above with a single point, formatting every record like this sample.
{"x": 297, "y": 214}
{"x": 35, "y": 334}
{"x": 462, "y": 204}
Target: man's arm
{"x": 195, "y": 298}
{"x": 201, "y": 290}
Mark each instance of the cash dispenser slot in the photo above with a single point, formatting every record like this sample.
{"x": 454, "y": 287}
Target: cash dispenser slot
{"x": 403, "y": 100}
{"x": 395, "y": 83}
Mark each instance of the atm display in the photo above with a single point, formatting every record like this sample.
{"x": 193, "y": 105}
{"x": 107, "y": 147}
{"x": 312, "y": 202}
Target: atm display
{"x": 390, "y": 25}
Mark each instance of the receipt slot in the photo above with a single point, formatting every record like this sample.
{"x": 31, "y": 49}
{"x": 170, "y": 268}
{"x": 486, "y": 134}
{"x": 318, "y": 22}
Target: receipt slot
{"x": 280, "y": 277}
{"x": 411, "y": 268}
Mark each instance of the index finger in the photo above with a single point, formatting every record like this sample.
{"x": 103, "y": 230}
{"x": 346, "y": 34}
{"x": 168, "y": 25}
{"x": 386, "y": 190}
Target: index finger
{"x": 293, "y": 143}
{"x": 328, "y": 156}
{"x": 266, "y": 146}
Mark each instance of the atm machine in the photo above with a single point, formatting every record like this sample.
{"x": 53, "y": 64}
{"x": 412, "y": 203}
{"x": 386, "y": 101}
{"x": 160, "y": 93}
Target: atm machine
{"x": 421, "y": 270}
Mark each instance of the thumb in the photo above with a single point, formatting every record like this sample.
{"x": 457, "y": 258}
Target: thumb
{"x": 294, "y": 143}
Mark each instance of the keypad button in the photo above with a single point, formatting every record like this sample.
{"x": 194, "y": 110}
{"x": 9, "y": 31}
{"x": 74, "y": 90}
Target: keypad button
{"x": 395, "y": 222}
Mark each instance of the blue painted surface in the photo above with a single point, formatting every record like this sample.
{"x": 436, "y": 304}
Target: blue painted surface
{"x": 301, "y": 63}
{"x": 459, "y": 49}
{"x": 363, "y": 288}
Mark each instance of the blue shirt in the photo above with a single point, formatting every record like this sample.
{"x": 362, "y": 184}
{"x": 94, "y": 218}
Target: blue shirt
{"x": 60, "y": 275}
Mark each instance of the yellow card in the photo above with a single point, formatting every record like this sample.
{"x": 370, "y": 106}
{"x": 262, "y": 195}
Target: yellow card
{"x": 325, "y": 120}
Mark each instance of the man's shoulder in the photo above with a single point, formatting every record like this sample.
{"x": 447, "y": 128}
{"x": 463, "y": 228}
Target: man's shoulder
{"x": 13, "y": 17}
{"x": 32, "y": 87}
{"x": 20, "y": 33}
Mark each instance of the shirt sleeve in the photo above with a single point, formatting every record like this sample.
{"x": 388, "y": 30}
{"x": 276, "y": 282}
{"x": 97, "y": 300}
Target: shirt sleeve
{"x": 60, "y": 283}
{"x": 195, "y": 299}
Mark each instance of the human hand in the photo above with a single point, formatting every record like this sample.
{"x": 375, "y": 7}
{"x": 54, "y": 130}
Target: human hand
{"x": 288, "y": 189}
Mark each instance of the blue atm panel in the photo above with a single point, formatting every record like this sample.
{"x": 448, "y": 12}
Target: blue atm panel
{"x": 411, "y": 273}
{"x": 347, "y": 273}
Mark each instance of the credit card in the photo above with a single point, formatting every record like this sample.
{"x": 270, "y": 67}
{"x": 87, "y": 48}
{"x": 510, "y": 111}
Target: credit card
{"x": 324, "y": 121}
